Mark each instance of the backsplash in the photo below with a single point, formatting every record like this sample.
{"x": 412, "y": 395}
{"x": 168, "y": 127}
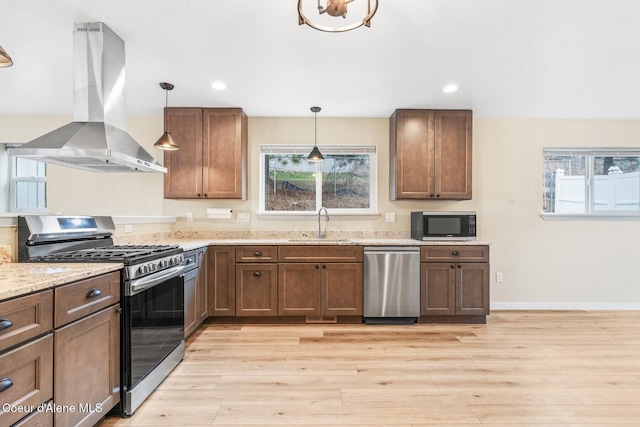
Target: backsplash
{"x": 7, "y": 244}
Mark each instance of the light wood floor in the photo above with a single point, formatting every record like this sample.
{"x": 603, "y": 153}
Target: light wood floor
{"x": 536, "y": 368}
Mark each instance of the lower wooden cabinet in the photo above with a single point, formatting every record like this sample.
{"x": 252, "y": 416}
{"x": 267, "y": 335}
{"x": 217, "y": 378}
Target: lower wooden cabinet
{"x": 202, "y": 288}
{"x": 195, "y": 290}
{"x": 222, "y": 280}
{"x": 256, "y": 289}
{"x": 457, "y": 287}
{"x": 320, "y": 289}
{"x": 26, "y": 378}
{"x": 87, "y": 367}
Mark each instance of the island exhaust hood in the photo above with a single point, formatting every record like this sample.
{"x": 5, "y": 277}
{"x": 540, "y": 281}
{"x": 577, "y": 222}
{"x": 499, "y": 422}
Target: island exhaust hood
{"x": 95, "y": 141}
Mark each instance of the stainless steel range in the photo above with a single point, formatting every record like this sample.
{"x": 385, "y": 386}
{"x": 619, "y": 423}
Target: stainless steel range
{"x": 152, "y": 321}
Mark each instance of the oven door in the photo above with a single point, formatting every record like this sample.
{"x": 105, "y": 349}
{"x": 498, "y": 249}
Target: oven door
{"x": 153, "y": 330}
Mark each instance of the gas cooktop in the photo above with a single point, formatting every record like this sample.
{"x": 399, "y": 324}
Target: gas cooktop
{"x": 127, "y": 254}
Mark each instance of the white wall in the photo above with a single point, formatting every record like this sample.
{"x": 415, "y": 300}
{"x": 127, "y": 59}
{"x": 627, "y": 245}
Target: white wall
{"x": 546, "y": 264}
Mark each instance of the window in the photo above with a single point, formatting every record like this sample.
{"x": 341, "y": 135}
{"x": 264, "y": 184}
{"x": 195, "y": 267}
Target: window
{"x": 345, "y": 182}
{"x": 28, "y": 184}
{"x": 592, "y": 182}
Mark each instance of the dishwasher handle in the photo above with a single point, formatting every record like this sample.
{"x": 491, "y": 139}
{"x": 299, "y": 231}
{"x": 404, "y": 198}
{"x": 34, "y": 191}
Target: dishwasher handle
{"x": 391, "y": 249}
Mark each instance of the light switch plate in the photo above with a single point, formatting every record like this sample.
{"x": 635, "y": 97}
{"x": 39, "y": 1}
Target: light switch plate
{"x": 189, "y": 216}
{"x": 128, "y": 228}
{"x": 390, "y": 217}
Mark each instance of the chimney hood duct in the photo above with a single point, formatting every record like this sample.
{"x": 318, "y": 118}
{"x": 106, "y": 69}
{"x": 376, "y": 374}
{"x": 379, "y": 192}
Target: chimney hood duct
{"x": 95, "y": 141}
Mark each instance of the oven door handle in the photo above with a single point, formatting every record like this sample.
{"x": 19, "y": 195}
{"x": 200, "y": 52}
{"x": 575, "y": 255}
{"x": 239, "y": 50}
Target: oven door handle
{"x": 144, "y": 283}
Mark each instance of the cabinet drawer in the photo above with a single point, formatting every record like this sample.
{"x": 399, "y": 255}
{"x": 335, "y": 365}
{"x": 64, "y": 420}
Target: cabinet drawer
{"x": 454, "y": 253}
{"x": 37, "y": 419}
{"x": 85, "y": 297}
{"x": 320, "y": 253}
{"x": 256, "y": 253}
{"x": 30, "y": 371}
{"x": 24, "y": 318}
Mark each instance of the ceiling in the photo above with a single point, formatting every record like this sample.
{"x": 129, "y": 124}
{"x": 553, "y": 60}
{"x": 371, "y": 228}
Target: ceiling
{"x": 511, "y": 59}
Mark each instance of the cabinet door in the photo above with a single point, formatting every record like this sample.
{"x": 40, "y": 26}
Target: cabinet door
{"x": 453, "y": 154}
{"x": 87, "y": 367}
{"x": 190, "y": 309}
{"x": 298, "y": 289}
{"x": 412, "y": 154}
{"x": 184, "y": 166}
{"x": 202, "y": 305}
{"x": 256, "y": 289}
{"x": 341, "y": 289}
{"x": 438, "y": 289}
{"x": 472, "y": 288}
{"x": 224, "y": 153}
{"x": 26, "y": 377}
{"x": 222, "y": 281}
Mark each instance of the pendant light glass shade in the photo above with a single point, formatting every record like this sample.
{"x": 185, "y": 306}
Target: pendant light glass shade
{"x": 315, "y": 155}
{"x": 5, "y": 59}
{"x": 166, "y": 142}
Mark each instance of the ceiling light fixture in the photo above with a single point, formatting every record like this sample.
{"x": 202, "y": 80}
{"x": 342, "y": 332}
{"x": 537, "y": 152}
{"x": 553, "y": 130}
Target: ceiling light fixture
{"x": 218, "y": 85}
{"x": 5, "y": 59}
{"x": 338, "y": 8}
{"x": 450, "y": 88}
{"x": 166, "y": 142}
{"x": 315, "y": 156}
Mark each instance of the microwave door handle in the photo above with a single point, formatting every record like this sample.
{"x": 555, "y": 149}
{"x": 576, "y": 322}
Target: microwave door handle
{"x": 144, "y": 283}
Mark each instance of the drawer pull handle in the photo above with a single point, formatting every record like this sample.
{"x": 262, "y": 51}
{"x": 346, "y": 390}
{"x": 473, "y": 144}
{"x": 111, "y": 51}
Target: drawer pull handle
{"x": 5, "y": 383}
{"x": 5, "y": 324}
{"x": 257, "y": 273}
{"x": 257, "y": 253}
{"x": 94, "y": 293}
{"x": 455, "y": 253}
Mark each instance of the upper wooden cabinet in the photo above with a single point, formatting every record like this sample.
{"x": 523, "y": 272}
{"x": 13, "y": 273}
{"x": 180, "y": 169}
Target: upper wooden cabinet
{"x": 430, "y": 154}
{"x": 212, "y": 160}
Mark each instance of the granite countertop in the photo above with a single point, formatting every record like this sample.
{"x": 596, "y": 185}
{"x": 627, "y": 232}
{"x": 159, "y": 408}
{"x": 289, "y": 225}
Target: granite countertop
{"x": 190, "y": 244}
{"x": 24, "y": 278}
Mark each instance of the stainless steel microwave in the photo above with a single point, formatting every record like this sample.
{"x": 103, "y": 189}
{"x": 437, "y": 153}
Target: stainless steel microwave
{"x": 443, "y": 225}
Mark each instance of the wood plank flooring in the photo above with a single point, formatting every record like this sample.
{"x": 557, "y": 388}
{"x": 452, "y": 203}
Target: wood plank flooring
{"x": 538, "y": 368}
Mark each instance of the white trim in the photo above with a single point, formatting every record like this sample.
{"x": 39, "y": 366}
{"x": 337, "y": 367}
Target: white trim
{"x": 125, "y": 219}
{"x": 564, "y": 306}
{"x": 590, "y": 217}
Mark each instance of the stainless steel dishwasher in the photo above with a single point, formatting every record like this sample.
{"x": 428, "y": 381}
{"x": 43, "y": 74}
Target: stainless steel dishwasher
{"x": 391, "y": 284}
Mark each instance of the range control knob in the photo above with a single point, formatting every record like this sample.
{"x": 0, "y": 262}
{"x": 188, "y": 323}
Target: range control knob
{"x": 143, "y": 269}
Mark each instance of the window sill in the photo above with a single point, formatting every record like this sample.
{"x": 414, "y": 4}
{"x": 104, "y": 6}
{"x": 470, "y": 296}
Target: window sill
{"x": 590, "y": 217}
{"x": 314, "y": 215}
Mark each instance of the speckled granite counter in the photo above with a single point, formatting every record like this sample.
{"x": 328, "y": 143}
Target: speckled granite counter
{"x": 188, "y": 244}
{"x": 25, "y": 278}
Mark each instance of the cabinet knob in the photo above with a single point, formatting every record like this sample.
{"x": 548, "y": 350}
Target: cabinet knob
{"x": 205, "y": 195}
{"x": 5, "y": 324}
{"x": 459, "y": 266}
{"x": 94, "y": 293}
{"x": 257, "y": 273}
{"x": 198, "y": 194}
{"x": 455, "y": 253}
{"x": 437, "y": 195}
{"x": 452, "y": 266}
{"x": 5, "y": 383}
{"x": 257, "y": 253}
{"x": 317, "y": 266}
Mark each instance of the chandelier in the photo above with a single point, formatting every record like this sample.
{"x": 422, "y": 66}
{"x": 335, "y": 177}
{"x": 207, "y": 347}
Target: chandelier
{"x": 361, "y": 12}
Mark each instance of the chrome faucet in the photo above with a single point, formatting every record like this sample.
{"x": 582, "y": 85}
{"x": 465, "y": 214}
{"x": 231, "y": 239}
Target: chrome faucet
{"x": 322, "y": 234}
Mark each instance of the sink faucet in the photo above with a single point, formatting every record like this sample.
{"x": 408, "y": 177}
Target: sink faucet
{"x": 322, "y": 234}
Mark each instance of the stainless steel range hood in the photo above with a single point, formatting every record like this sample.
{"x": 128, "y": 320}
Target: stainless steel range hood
{"x": 95, "y": 141}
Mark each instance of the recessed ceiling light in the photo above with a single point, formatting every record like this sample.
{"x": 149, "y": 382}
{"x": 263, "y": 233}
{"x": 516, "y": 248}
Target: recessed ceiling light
{"x": 450, "y": 88}
{"x": 218, "y": 86}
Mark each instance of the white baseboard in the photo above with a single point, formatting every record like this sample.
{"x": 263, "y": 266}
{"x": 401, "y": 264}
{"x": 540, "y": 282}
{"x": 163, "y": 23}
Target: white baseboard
{"x": 564, "y": 306}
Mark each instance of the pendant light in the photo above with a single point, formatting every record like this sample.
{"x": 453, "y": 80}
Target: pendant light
{"x": 166, "y": 142}
{"x": 315, "y": 155}
{"x": 5, "y": 59}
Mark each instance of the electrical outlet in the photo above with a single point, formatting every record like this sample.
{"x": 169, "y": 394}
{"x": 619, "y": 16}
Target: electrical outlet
{"x": 499, "y": 277}
{"x": 390, "y": 217}
{"x": 128, "y": 228}
{"x": 189, "y": 216}
{"x": 243, "y": 217}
